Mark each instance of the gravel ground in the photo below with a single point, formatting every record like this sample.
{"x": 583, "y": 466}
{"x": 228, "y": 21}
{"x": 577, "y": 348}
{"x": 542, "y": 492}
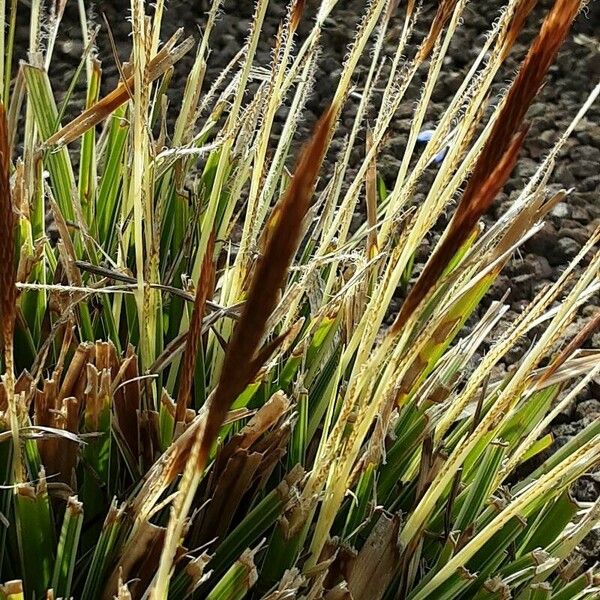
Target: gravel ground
{"x": 573, "y": 76}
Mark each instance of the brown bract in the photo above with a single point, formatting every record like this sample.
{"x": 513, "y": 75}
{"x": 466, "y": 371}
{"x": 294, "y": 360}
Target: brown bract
{"x": 521, "y": 13}
{"x": 590, "y": 328}
{"x": 297, "y": 11}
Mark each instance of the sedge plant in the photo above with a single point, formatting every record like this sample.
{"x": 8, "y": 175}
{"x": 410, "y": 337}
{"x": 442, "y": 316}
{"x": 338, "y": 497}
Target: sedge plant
{"x": 202, "y": 396}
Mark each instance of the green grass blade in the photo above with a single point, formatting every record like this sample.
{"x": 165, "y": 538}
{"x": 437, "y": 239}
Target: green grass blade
{"x": 39, "y": 92}
{"x": 67, "y": 548}
{"x": 35, "y": 533}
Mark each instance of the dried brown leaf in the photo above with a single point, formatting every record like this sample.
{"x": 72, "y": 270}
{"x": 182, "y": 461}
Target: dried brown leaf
{"x": 443, "y": 13}
{"x": 567, "y": 352}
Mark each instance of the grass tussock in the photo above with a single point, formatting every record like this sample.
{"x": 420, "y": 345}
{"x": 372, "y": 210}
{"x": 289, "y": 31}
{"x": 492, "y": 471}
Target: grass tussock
{"x": 201, "y": 396}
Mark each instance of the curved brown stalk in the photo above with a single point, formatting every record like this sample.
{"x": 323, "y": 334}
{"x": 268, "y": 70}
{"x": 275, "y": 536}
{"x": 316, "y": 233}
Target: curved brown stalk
{"x": 8, "y": 289}
{"x": 205, "y": 286}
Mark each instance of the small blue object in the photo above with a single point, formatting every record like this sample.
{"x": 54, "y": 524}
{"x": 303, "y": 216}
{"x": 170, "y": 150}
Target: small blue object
{"x": 439, "y": 157}
{"x": 424, "y": 137}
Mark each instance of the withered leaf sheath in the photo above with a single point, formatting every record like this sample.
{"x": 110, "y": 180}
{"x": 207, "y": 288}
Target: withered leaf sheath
{"x": 240, "y": 364}
{"x": 103, "y": 108}
{"x": 499, "y": 154}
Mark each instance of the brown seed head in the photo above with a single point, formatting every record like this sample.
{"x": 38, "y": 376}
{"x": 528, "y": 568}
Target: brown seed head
{"x": 499, "y": 154}
{"x": 240, "y": 363}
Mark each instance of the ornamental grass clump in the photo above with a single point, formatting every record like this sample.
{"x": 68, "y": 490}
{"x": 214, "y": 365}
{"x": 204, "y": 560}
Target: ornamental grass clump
{"x": 201, "y": 394}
